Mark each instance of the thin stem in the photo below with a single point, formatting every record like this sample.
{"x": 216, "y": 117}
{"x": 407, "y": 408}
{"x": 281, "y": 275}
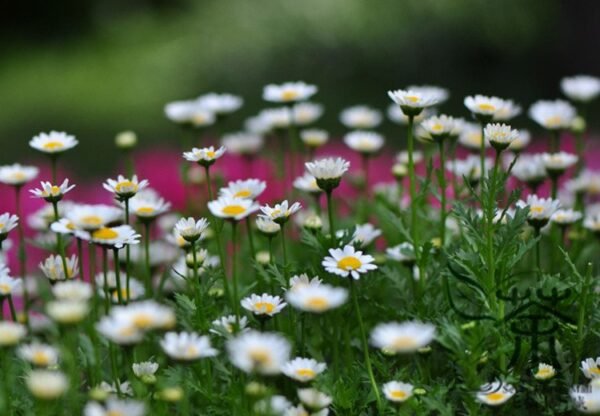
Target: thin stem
{"x": 208, "y": 183}
{"x": 537, "y": 250}
{"x": 365, "y": 345}
{"x": 59, "y": 245}
{"x": 284, "y": 250}
{"x": 105, "y": 274}
{"x": 330, "y": 214}
{"x": 80, "y": 258}
{"x": 236, "y": 300}
{"x": 442, "y": 178}
{"x": 554, "y": 180}
{"x": 118, "y": 276}
{"x": 146, "y": 259}
{"x": 197, "y": 286}
{"x": 250, "y": 238}
{"x": 412, "y": 187}
{"x": 22, "y": 252}
{"x": 11, "y": 305}
{"x": 482, "y": 153}
{"x": 128, "y": 254}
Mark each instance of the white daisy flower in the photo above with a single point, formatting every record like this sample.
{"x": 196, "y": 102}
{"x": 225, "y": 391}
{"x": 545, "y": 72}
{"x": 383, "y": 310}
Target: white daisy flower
{"x": 67, "y": 312}
{"x": 564, "y": 217}
{"x": 581, "y": 88}
{"x": 276, "y": 118}
{"x": 364, "y": 234}
{"x": 264, "y": 304}
{"x": 125, "y": 188}
{"x": 146, "y": 315}
{"x": 267, "y": 226}
{"x": 586, "y": 182}
{"x": 11, "y": 333}
{"x": 557, "y": 163}
{"x": 52, "y": 193}
{"x": 329, "y": 168}
{"x": 144, "y": 368}
{"x": 17, "y": 175}
{"x": 314, "y": 399}
{"x": 553, "y": 115}
{"x": 7, "y": 223}
{"x": 403, "y": 253}
{"x": 136, "y": 288}
{"x": 360, "y": 117}
{"x": 348, "y": 262}
{"x": 126, "y": 140}
{"x": 307, "y": 183}
{"x": 119, "y": 331}
{"x": 521, "y": 142}
{"x": 402, "y": 157}
{"x": 8, "y": 285}
{"x": 243, "y": 143}
{"x": 586, "y": 398}
{"x": 40, "y": 355}
{"x": 530, "y": 169}
{"x": 189, "y": 112}
{"x": 147, "y": 206}
{"x": 495, "y": 394}
{"x": 438, "y": 127}
{"x": 397, "y": 391}
{"x": 115, "y": 237}
{"x": 275, "y": 405}
{"x": 500, "y": 136}
{"x": 540, "y": 209}
{"x": 46, "y": 385}
{"x": 404, "y": 337}
{"x": 187, "y": 346}
{"x": 229, "y": 325}
{"x": 289, "y": 92}
{"x": 205, "y": 156}
{"x": 544, "y": 372}
{"x": 244, "y": 188}
{"x": 592, "y": 223}
{"x": 230, "y": 208}
{"x": 93, "y": 217}
{"x": 190, "y": 229}
{"x": 302, "y": 280}
{"x": 470, "y": 137}
{"x": 469, "y": 168}
{"x": 303, "y": 369}
{"x": 53, "y": 142}
{"x": 54, "y": 270}
{"x": 263, "y": 353}
{"x": 395, "y": 114}
{"x": 507, "y": 110}
{"x": 484, "y": 108}
{"x": 412, "y": 102}
{"x": 591, "y": 368}
{"x": 280, "y": 213}
{"x": 365, "y": 142}
{"x": 115, "y": 407}
{"x": 316, "y": 298}
{"x": 306, "y": 113}
{"x": 314, "y": 137}
{"x": 220, "y": 104}
{"x": 73, "y": 290}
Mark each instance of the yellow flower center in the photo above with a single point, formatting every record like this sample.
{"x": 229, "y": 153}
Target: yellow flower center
{"x": 244, "y": 193}
{"x": 19, "y": 176}
{"x": 595, "y": 370}
{"x": 486, "y": 107}
{"x": 143, "y": 320}
{"x": 40, "y": 358}
{"x": 210, "y": 154}
{"x": 544, "y": 372}
{"x": 404, "y": 343}
{"x": 289, "y": 95}
{"x": 126, "y": 186}
{"x": 2, "y": 225}
{"x": 115, "y": 413}
{"x": 105, "y": 234}
{"x": 260, "y": 357}
{"x": 4, "y": 288}
{"x": 412, "y": 98}
{"x": 318, "y": 303}
{"x": 536, "y": 209}
{"x": 145, "y": 211}
{"x": 191, "y": 351}
{"x": 398, "y": 394}
{"x": 349, "y": 263}
{"x": 264, "y": 307}
{"x": 496, "y": 396}
{"x": 233, "y": 210}
{"x": 55, "y": 145}
{"x": 93, "y": 220}
{"x": 553, "y": 121}
{"x": 437, "y": 127}
{"x": 305, "y": 372}
{"x": 54, "y": 190}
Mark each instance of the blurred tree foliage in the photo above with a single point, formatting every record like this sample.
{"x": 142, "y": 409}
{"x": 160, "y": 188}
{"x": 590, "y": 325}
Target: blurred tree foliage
{"x": 93, "y": 68}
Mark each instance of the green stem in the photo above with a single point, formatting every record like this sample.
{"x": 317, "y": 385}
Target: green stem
{"x": 147, "y": 225}
{"x": 11, "y": 305}
{"x": 105, "y": 285}
{"x": 80, "y": 258}
{"x": 285, "y": 257}
{"x": 412, "y": 187}
{"x": 250, "y": 238}
{"x": 537, "y": 251}
{"x": 197, "y": 286}
{"x": 236, "y": 300}
{"x": 482, "y": 153}
{"x": 59, "y": 244}
{"x": 22, "y": 253}
{"x": 118, "y": 276}
{"x": 365, "y": 345}
{"x": 128, "y": 255}
{"x": 442, "y": 178}
{"x": 330, "y": 214}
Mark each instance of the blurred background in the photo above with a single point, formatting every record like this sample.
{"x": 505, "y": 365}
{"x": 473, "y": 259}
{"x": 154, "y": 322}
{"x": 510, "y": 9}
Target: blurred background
{"x": 94, "y": 68}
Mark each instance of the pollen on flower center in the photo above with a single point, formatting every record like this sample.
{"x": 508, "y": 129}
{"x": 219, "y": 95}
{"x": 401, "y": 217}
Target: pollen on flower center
{"x": 4, "y": 288}
{"x": 595, "y": 370}
{"x": 537, "y": 209}
{"x": 264, "y": 307}
{"x": 398, "y": 394}
{"x": 404, "y": 342}
{"x": 210, "y": 154}
{"x": 18, "y": 176}
{"x": 318, "y": 303}
{"x": 233, "y": 210}
{"x": 145, "y": 210}
{"x": 496, "y": 396}
{"x": 349, "y": 263}
{"x": 553, "y": 121}
{"x": 305, "y": 372}
{"x": 412, "y": 98}
{"x": 191, "y": 351}
{"x": 54, "y": 190}
{"x": 105, "y": 234}
{"x": 486, "y": 107}
{"x": 142, "y": 320}
{"x": 244, "y": 193}
{"x": 92, "y": 220}
{"x": 53, "y": 145}
{"x": 127, "y": 186}
{"x": 39, "y": 358}
{"x": 289, "y": 95}
{"x": 260, "y": 356}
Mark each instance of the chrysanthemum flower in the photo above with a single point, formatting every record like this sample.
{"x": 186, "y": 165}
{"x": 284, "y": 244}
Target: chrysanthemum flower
{"x": 242, "y": 143}
{"x": 8, "y": 284}
{"x": 7, "y": 223}
{"x": 405, "y": 337}
{"x": 205, "y": 156}
{"x": 507, "y": 110}
{"x": 564, "y": 217}
{"x": 553, "y": 115}
{"x": 328, "y": 172}
{"x": 263, "y": 305}
{"x": 314, "y": 137}
{"x": 530, "y": 169}
{"x": 187, "y": 346}
{"x": 544, "y": 372}
{"x": 500, "y": 136}
{"x": 365, "y": 142}
{"x": 229, "y": 325}
{"x": 303, "y": 369}
{"x": 403, "y": 253}
{"x": 540, "y": 209}
{"x": 316, "y": 298}
{"x": 289, "y": 92}
{"x": 220, "y": 104}
{"x": 581, "y": 88}
{"x": 147, "y": 206}
{"x": 119, "y": 331}
{"x": 40, "y": 355}
{"x": 521, "y": 141}
{"x": 307, "y": 183}
{"x": 115, "y": 407}
{"x": 484, "y": 108}
{"x": 52, "y": 193}
{"x": 46, "y": 384}
{"x": 267, "y": 226}
{"x": 190, "y": 229}
{"x": 348, "y": 262}
{"x": 412, "y": 102}
{"x": 189, "y": 112}
{"x": 592, "y": 223}
{"x": 67, "y": 312}
{"x": 145, "y": 316}
{"x": 306, "y": 113}
{"x": 395, "y": 114}
{"x": 125, "y": 188}
{"x": 557, "y": 163}
{"x": 115, "y": 237}
{"x": 438, "y": 127}
{"x": 591, "y": 368}
{"x": 397, "y": 391}
{"x": 145, "y": 370}
{"x": 17, "y": 174}
{"x": 54, "y": 270}
{"x": 93, "y": 217}
{"x": 360, "y": 117}
{"x": 11, "y": 333}
{"x": 315, "y": 400}
{"x": 244, "y": 188}
{"x": 280, "y": 213}
{"x": 302, "y": 281}
{"x": 263, "y": 353}
{"x": 53, "y": 142}
{"x": 586, "y": 398}
{"x": 364, "y": 234}
{"x": 72, "y": 290}
{"x": 495, "y": 394}
{"x": 230, "y": 208}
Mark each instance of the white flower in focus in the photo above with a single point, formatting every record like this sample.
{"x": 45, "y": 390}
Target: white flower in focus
{"x": 348, "y": 262}
{"x": 544, "y": 372}
{"x": 190, "y": 229}
{"x": 365, "y": 142}
{"x": 263, "y": 353}
{"x": 205, "y": 156}
{"x": 303, "y": 369}
{"x": 591, "y": 368}
{"x": 330, "y": 168}
{"x": 280, "y": 212}
{"x": 500, "y": 136}
{"x": 397, "y": 392}
{"x": 187, "y": 346}
{"x": 124, "y": 188}
{"x": 51, "y": 192}
{"x": 495, "y": 394}
{"x": 115, "y": 237}
{"x": 53, "y": 142}
{"x": 412, "y": 102}
{"x": 17, "y": 175}
{"x": 230, "y": 208}
{"x": 360, "y": 117}
{"x": 54, "y": 269}
{"x": 581, "y": 88}
{"x": 404, "y": 337}
{"x": 289, "y": 92}
{"x": 553, "y": 115}
{"x": 264, "y": 304}
{"x": 540, "y": 209}
{"x": 7, "y": 223}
